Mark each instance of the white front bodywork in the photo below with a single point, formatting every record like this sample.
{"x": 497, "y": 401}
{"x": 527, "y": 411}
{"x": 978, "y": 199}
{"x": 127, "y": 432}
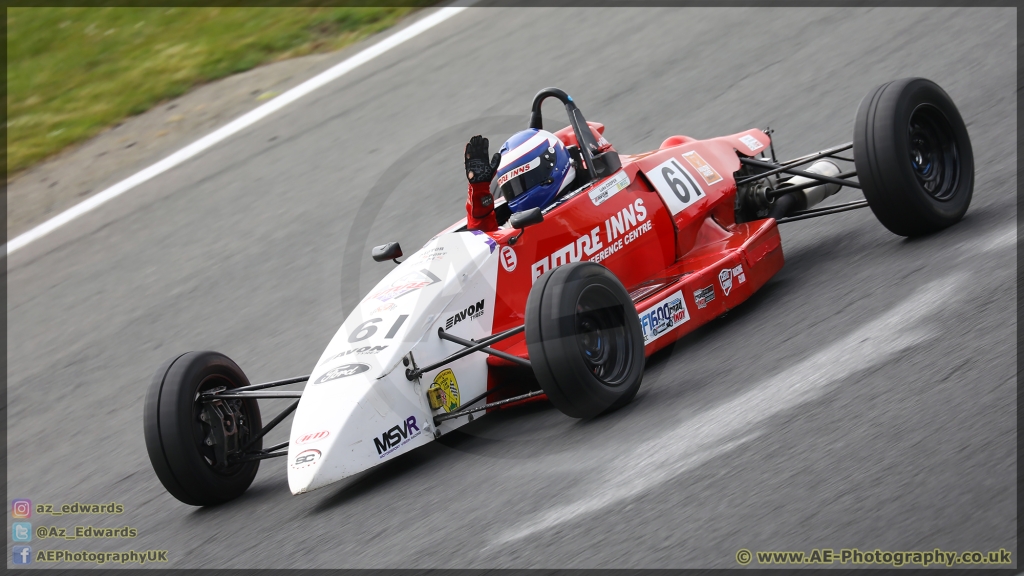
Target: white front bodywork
{"x": 359, "y": 408}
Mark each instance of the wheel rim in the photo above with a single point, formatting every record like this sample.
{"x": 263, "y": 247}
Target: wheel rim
{"x": 933, "y": 152}
{"x": 201, "y": 429}
{"x": 602, "y": 337}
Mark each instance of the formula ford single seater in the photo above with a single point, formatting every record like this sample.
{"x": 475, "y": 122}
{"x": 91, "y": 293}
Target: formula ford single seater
{"x": 564, "y": 302}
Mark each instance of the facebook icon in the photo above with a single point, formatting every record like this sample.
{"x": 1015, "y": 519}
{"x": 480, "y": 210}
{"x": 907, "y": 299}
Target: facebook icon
{"x": 22, "y": 555}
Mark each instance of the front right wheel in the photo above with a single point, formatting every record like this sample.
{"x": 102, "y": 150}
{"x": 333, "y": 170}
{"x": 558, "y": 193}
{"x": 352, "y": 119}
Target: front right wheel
{"x": 913, "y": 157}
{"x": 584, "y": 339}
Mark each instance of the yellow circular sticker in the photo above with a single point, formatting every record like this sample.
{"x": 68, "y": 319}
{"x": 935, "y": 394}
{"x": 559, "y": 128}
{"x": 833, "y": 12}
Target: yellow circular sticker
{"x": 445, "y": 381}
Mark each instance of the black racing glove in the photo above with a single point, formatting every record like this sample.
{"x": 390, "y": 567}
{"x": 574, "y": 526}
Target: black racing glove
{"x": 477, "y": 167}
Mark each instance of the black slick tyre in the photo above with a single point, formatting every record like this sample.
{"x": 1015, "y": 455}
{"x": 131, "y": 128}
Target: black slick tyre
{"x": 584, "y": 339}
{"x": 913, "y": 156}
{"x": 176, "y": 434}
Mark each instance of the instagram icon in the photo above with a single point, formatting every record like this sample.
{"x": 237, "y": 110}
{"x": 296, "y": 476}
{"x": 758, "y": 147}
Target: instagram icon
{"x": 21, "y": 508}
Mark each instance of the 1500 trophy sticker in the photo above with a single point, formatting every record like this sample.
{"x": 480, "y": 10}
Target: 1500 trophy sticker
{"x": 657, "y": 320}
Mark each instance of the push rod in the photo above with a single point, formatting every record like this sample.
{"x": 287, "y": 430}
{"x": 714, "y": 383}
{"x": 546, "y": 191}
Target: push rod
{"x": 272, "y": 394}
{"x": 413, "y": 374}
{"x": 260, "y": 456}
{"x": 277, "y": 420}
{"x": 812, "y": 175}
{"x": 504, "y": 355}
{"x": 461, "y": 413}
{"x": 284, "y": 382}
{"x": 773, "y": 194}
{"x": 798, "y": 161}
{"x": 823, "y": 211}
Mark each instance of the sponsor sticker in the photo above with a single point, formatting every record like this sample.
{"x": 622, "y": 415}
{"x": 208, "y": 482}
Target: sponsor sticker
{"x": 342, "y": 372}
{"x": 449, "y": 389}
{"x": 384, "y": 308}
{"x": 508, "y": 258}
{"x": 586, "y": 245}
{"x": 406, "y": 284}
{"x": 306, "y": 458}
{"x": 706, "y": 171}
{"x": 621, "y": 228}
{"x": 518, "y": 171}
{"x": 362, "y": 350}
{"x": 738, "y": 274}
{"x": 657, "y": 320}
{"x": 312, "y": 437}
{"x": 472, "y": 312}
{"x": 431, "y": 254}
{"x": 610, "y": 187}
{"x": 725, "y": 279}
{"x": 396, "y": 437}
{"x": 704, "y": 295}
{"x": 677, "y": 187}
{"x": 751, "y": 142}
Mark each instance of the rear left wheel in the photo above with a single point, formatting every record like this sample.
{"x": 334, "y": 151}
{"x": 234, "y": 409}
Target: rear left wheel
{"x": 584, "y": 339}
{"x": 913, "y": 156}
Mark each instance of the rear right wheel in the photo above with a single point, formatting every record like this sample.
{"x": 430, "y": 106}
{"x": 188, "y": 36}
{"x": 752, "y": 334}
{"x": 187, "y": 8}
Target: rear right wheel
{"x": 913, "y": 157}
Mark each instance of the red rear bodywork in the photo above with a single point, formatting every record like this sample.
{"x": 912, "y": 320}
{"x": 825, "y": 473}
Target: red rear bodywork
{"x": 669, "y": 235}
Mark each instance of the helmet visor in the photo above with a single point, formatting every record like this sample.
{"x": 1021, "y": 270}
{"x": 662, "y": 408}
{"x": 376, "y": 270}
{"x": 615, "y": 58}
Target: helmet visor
{"x": 522, "y": 178}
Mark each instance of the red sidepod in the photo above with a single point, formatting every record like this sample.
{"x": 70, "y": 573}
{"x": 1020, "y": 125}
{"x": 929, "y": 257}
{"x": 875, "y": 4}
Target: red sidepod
{"x": 664, "y": 225}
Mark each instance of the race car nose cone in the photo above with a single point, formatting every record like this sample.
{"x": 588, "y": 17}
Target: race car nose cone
{"x": 344, "y": 425}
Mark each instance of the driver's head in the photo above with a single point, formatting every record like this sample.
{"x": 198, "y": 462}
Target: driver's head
{"x": 534, "y": 168}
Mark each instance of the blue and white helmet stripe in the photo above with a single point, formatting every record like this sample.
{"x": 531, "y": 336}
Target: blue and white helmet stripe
{"x": 534, "y": 168}
{"x": 531, "y": 144}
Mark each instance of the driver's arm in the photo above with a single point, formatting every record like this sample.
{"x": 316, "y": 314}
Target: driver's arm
{"x": 479, "y": 172}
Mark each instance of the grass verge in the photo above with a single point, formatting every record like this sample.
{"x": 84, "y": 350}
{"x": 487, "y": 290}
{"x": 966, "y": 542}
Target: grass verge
{"x": 72, "y": 72}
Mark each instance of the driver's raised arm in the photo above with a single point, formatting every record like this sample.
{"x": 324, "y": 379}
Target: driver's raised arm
{"x": 479, "y": 172}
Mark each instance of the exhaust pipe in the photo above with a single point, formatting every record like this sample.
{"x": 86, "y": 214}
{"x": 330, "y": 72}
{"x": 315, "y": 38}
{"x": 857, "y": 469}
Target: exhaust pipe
{"x": 808, "y": 197}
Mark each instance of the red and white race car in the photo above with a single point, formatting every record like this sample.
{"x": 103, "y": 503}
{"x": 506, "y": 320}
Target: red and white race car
{"x": 563, "y": 303}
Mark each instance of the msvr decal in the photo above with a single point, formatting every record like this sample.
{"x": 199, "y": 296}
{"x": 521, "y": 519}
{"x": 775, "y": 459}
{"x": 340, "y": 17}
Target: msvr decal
{"x": 396, "y": 436}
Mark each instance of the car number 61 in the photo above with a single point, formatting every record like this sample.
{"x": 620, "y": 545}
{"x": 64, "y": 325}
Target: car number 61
{"x": 675, "y": 185}
{"x": 369, "y": 328}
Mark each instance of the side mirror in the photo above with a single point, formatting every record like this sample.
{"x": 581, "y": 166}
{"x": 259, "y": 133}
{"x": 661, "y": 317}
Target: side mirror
{"x": 521, "y": 220}
{"x": 389, "y": 251}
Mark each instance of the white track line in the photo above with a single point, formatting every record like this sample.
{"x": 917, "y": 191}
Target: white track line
{"x": 235, "y": 126}
{"x": 734, "y": 422}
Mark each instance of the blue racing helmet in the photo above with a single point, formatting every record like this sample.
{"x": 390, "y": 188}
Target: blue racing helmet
{"x": 534, "y": 168}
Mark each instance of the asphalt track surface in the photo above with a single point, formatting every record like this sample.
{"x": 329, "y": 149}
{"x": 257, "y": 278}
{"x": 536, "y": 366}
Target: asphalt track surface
{"x": 864, "y": 398}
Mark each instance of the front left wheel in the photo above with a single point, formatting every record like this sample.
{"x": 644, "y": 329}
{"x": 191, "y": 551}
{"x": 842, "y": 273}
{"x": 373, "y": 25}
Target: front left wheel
{"x": 194, "y": 445}
{"x": 584, "y": 339}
